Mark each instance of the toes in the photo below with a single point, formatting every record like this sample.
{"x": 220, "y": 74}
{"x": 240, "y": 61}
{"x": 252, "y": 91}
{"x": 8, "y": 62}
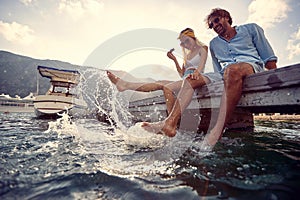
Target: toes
{"x": 144, "y": 124}
{"x": 112, "y": 77}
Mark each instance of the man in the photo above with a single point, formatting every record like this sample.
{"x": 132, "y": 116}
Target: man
{"x": 236, "y": 52}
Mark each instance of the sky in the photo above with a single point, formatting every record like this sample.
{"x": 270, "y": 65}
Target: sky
{"x": 134, "y": 35}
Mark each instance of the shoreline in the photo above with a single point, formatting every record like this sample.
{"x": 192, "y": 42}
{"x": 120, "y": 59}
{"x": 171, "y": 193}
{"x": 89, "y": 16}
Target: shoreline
{"x": 276, "y": 117}
{"x": 16, "y": 109}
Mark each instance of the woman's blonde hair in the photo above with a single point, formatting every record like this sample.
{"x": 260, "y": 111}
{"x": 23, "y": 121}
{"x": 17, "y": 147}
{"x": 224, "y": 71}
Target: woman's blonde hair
{"x": 189, "y": 33}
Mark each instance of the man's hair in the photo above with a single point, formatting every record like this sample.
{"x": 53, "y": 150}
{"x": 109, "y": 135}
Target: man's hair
{"x": 218, "y": 12}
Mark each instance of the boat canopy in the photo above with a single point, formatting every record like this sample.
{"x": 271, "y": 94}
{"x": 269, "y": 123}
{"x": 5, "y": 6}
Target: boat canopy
{"x": 60, "y": 75}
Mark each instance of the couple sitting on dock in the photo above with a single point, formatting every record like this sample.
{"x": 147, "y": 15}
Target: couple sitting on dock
{"x": 236, "y": 52}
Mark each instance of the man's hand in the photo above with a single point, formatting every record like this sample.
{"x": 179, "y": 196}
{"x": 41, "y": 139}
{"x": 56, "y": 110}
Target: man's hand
{"x": 271, "y": 65}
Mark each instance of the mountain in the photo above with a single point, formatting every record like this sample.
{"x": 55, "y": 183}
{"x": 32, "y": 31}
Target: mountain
{"x": 19, "y": 75}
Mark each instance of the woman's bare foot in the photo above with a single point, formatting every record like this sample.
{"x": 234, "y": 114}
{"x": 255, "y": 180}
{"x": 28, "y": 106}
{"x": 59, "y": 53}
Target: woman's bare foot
{"x": 160, "y": 128}
{"x": 119, "y": 83}
{"x": 153, "y": 127}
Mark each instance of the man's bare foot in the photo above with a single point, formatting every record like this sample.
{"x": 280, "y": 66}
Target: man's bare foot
{"x": 120, "y": 84}
{"x": 160, "y": 128}
{"x": 212, "y": 137}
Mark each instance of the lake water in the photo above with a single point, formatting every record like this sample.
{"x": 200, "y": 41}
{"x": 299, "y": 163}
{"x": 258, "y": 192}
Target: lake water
{"x": 82, "y": 158}
{"x": 87, "y": 159}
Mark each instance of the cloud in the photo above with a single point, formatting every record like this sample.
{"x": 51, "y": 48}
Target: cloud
{"x": 15, "y": 32}
{"x": 26, "y": 2}
{"x": 293, "y": 46}
{"x": 267, "y": 13}
{"x": 77, "y": 9}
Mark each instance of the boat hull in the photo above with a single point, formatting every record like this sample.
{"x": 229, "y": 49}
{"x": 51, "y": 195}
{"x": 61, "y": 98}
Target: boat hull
{"x": 51, "y": 106}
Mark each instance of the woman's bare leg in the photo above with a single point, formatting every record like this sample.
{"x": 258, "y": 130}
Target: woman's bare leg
{"x": 169, "y": 90}
{"x": 123, "y": 85}
{"x": 168, "y": 126}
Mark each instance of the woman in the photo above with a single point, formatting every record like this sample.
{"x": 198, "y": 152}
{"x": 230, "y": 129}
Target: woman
{"x": 194, "y": 59}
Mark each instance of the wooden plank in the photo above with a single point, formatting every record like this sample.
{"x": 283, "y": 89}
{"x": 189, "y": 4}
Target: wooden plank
{"x": 284, "y": 100}
{"x": 267, "y": 80}
{"x": 276, "y": 78}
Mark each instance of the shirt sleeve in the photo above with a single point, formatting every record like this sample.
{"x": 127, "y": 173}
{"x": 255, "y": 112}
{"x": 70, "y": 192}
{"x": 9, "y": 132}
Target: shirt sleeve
{"x": 263, "y": 46}
{"x": 216, "y": 64}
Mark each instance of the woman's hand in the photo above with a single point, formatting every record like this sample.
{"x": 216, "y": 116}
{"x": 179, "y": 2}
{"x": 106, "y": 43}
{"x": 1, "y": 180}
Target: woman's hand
{"x": 195, "y": 76}
{"x": 170, "y": 55}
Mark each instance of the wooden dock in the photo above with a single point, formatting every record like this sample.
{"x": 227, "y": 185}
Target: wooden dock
{"x": 273, "y": 91}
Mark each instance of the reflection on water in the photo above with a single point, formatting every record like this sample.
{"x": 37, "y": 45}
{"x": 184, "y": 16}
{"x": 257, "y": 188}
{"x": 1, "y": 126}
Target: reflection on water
{"x": 86, "y": 159}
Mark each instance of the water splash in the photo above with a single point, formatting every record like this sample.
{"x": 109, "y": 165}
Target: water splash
{"x": 63, "y": 125}
{"x": 138, "y": 136}
{"x": 104, "y": 99}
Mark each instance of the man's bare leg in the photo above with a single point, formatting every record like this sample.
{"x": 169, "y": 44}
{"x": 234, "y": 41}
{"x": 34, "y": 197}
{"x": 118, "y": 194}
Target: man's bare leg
{"x": 233, "y": 82}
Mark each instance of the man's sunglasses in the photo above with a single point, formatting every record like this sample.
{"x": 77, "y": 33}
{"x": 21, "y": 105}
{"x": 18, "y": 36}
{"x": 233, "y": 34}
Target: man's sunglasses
{"x": 215, "y": 21}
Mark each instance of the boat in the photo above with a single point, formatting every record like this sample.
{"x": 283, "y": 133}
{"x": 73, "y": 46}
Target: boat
{"x": 61, "y": 96}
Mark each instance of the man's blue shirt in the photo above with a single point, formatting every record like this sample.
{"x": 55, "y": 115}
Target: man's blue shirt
{"x": 249, "y": 45}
